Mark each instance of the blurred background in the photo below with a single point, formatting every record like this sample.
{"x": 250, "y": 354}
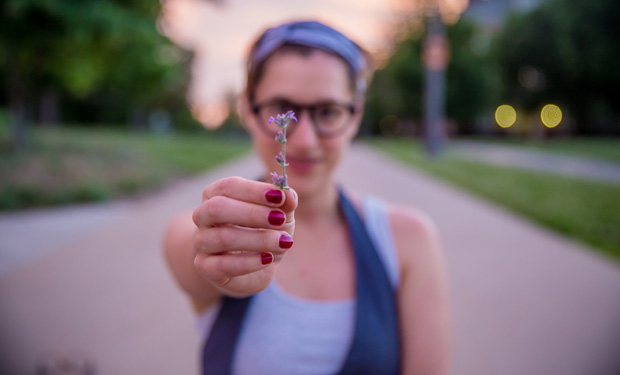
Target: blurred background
{"x": 512, "y": 101}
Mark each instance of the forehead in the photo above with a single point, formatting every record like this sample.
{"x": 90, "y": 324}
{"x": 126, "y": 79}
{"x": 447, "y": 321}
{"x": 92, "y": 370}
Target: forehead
{"x": 307, "y": 78}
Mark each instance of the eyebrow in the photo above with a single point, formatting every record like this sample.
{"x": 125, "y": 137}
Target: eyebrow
{"x": 282, "y": 100}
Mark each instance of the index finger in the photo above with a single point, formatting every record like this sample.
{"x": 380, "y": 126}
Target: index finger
{"x": 251, "y": 191}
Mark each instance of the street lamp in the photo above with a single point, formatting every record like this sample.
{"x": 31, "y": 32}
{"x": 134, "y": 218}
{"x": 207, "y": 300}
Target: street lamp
{"x": 435, "y": 56}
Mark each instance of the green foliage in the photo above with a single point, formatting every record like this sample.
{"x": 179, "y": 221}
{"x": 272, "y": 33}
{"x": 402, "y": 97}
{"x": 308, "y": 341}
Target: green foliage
{"x": 586, "y": 210}
{"x": 100, "y": 55}
{"x": 572, "y": 48}
{"x": 67, "y": 165}
{"x": 471, "y": 79}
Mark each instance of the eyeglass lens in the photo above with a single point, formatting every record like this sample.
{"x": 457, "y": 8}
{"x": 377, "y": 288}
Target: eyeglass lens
{"x": 328, "y": 117}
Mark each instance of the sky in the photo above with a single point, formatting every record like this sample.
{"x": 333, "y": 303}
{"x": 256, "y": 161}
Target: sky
{"x": 220, "y": 36}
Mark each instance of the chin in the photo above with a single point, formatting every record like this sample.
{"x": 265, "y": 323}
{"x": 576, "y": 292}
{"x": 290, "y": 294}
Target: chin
{"x": 307, "y": 185}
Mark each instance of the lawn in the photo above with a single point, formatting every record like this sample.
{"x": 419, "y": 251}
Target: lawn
{"x": 65, "y": 165}
{"x": 586, "y": 210}
{"x": 606, "y": 149}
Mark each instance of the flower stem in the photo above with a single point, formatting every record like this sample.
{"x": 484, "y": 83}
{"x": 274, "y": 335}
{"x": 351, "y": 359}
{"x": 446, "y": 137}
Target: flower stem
{"x": 284, "y": 161}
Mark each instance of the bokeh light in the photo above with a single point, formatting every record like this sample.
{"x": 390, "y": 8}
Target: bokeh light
{"x": 505, "y": 116}
{"x": 551, "y": 115}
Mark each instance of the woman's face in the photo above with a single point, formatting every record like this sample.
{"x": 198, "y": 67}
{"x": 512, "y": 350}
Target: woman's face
{"x": 303, "y": 80}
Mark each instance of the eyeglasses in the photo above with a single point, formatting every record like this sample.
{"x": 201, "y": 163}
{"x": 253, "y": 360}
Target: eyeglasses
{"x": 329, "y": 119}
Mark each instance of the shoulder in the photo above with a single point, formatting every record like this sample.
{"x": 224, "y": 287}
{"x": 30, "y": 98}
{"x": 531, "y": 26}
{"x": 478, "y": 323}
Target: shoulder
{"x": 416, "y": 239}
{"x": 408, "y": 221}
{"x": 423, "y": 295}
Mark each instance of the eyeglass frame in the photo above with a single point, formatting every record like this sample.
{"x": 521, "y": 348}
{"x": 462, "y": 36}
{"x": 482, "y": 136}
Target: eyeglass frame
{"x": 352, "y": 108}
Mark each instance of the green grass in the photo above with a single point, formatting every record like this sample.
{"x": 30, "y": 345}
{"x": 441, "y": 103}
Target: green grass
{"x": 606, "y": 149}
{"x": 66, "y": 165}
{"x": 586, "y": 210}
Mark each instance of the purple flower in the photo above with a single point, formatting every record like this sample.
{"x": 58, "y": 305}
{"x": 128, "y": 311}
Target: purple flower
{"x": 282, "y": 120}
{"x": 280, "y": 137}
{"x": 281, "y": 159}
{"x": 278, "y": 180}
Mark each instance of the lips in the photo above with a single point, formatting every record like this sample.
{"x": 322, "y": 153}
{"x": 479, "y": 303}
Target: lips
{"x": 301, "y": 164}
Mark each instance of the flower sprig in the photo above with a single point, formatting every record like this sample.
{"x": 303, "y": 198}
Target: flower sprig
{"x": 282, "y": 121}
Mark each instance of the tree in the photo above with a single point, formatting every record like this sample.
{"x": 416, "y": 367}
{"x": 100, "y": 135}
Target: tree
{"x": 471, "y": 79}
{"x": 108, "y": 49}
{"x": 565, "y": 52}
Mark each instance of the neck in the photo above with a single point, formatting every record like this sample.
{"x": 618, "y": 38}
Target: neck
{"x": 318, "y": 205}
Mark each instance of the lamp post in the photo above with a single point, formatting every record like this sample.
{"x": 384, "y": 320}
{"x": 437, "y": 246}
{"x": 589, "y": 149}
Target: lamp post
{"x": 436, "y": 55}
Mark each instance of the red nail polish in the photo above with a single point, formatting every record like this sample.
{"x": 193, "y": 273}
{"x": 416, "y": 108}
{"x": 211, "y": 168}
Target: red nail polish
{"x": 266, "y": 258}
{"x": 286, "y": 241}
{"x": 276, "y": 218}
{"x": 274, "y": 196}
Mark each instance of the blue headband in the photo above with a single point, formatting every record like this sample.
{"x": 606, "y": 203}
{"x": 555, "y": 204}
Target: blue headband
{"x": 311, "y": 34}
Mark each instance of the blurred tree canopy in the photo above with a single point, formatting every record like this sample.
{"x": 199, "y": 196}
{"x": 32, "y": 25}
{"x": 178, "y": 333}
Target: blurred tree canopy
{"x": 565, "y": 52}
{"x": 395, "y": 95}
{"x": 94, "y": 61}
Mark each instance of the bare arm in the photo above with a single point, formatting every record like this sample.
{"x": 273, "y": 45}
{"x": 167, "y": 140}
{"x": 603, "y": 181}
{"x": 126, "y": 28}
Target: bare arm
{"x": 180, "y": 253}
{"x": 229, "y": 245}
{"x": 423, "y": 295}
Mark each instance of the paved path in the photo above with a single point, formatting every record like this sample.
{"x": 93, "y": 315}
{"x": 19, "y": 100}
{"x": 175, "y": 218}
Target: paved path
{"x": 526, "y": 301}
{"x": 520, "y": 157}
{"x": 54, "y": 227}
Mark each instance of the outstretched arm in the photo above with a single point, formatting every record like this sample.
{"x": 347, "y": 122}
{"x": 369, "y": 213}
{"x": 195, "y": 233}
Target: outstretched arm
{"x": 232, "y": 242}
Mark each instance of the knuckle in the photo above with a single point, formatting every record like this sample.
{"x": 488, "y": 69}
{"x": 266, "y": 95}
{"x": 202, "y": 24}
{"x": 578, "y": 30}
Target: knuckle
{"x": 197, "y": 242}
{"x": 202, "y": 242}
{"x": 209, "y": 267}
{"x": 214, "y": 207}
{"x": 205, "y": 193}
{"x": 225, "y": 185}
{"x": 224, "y": 239}
{"x": 269, "y": 240}
{"x": 200, "y": 265}
{"x": 198, "y": 214}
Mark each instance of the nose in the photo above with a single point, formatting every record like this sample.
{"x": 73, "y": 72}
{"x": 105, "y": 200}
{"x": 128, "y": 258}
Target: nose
{"x": 305, "y": 134}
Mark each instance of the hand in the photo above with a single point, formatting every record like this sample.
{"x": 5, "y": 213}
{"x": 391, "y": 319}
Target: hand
{"x": 244, "y": 229}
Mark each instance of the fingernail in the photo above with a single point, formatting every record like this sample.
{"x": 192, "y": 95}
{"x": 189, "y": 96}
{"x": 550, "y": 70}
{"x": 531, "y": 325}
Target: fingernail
{"x": 286, "y": 241}
{"x": 266, "y": 258}
{"x": 274, "y": 196}
{"x": 276, "y": 218}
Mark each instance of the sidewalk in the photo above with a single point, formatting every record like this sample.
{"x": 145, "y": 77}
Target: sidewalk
{"x": 521, "y": 157}
{"x": 526, "y": 301}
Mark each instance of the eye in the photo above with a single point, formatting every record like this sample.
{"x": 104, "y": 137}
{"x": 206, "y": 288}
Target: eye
{"x": 328, "y": 114}
{"x": 283, "y": 107}
{"x": 272, "y": 110}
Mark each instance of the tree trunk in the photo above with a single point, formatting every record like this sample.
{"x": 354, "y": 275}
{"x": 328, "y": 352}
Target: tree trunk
{"x": 16, "y": 92}
{"x": 48, "y": 108}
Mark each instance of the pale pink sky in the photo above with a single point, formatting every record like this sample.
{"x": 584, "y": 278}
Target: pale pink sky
{"x": 220, "y": 36}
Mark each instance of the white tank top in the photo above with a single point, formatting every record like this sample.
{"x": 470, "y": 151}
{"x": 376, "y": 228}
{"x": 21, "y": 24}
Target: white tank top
{"x": 285, "y": 334}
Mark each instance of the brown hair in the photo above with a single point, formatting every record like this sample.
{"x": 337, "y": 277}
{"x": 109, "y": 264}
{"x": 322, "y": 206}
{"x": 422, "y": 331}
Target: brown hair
{"x": 254, "y": 72}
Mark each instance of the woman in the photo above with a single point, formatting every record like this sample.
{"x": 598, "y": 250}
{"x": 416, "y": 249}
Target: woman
{"x": 329, "y": 292}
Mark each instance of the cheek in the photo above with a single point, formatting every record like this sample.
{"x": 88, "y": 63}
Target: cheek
{"x": 263, "y": 145}
{"x": 266, "y": 147}
{"x": 335, "y": 147}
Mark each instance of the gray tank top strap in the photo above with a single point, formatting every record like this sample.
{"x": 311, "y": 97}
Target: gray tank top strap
{"x": 377, "y": 223}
